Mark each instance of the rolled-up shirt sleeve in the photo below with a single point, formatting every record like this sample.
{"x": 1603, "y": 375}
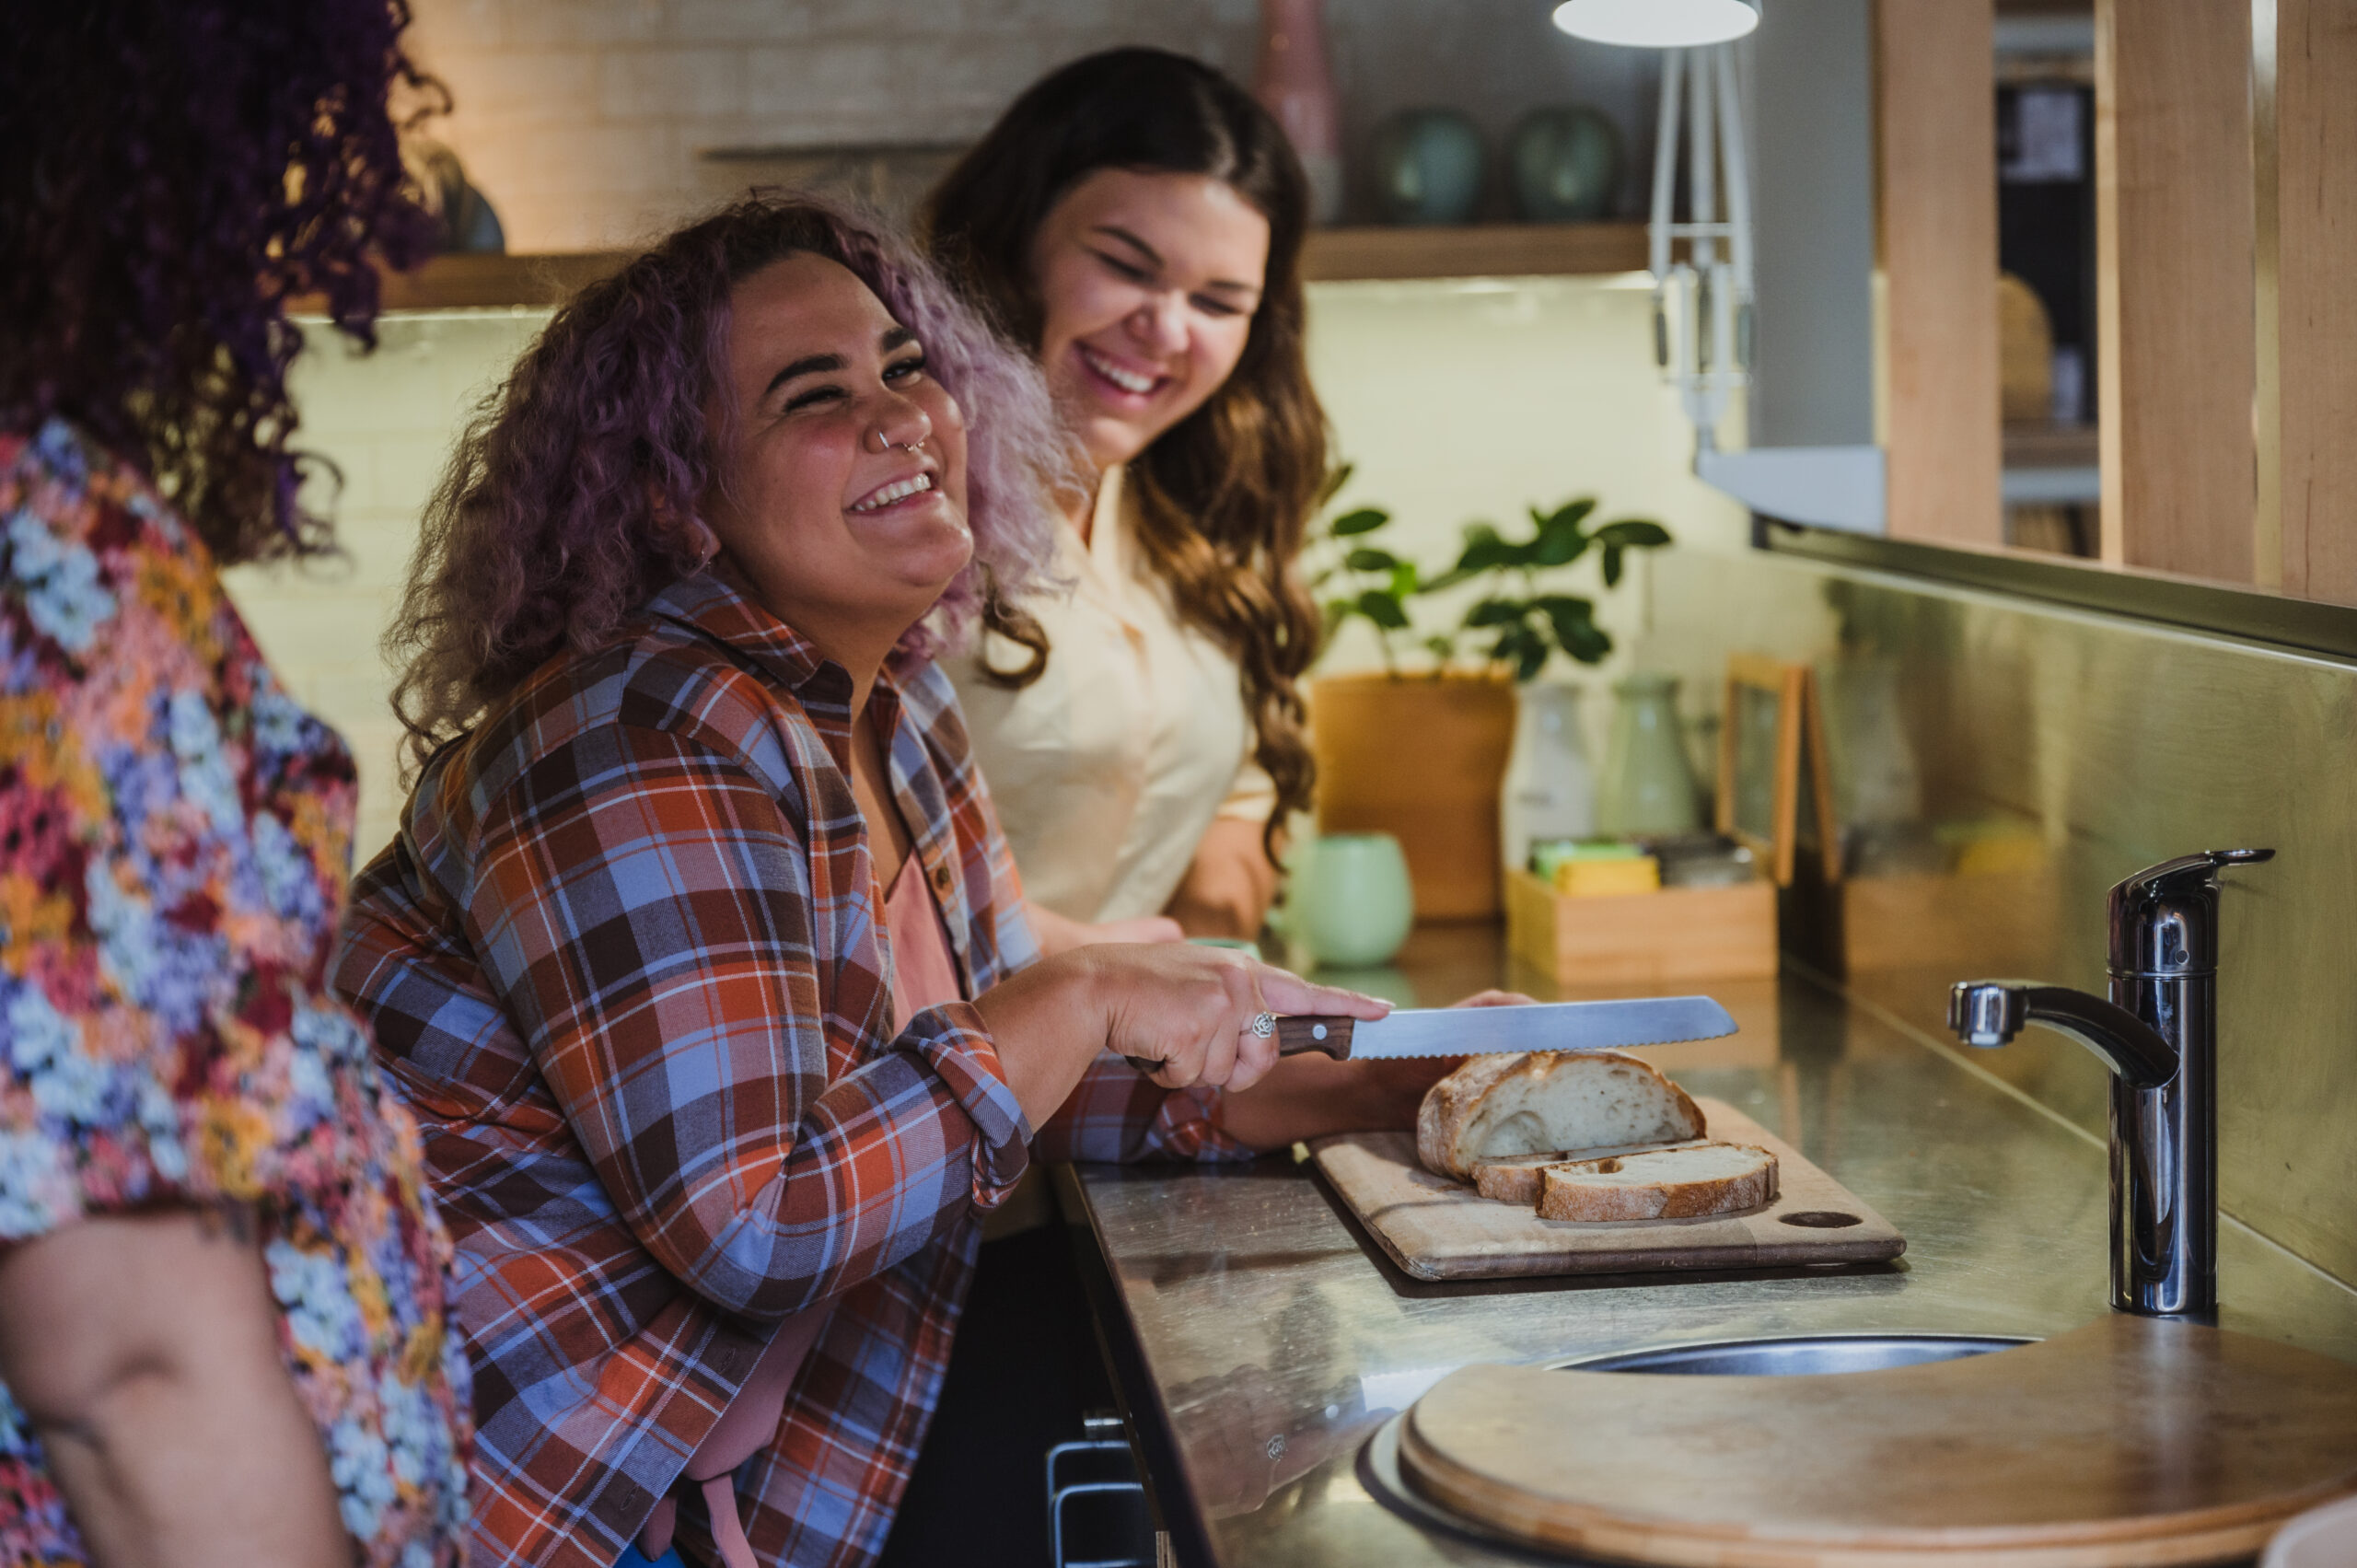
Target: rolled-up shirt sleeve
{"x": 647, "y": 911}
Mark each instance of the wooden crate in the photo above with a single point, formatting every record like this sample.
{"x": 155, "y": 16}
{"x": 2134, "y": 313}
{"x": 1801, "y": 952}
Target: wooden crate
{"x": 1675, "y": 935}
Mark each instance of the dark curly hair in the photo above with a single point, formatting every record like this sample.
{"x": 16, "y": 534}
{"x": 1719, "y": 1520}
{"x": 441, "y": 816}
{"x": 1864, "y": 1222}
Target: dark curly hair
{"x": 575, "y": 494}
{"x": 1226, "y": 492}
{"x": 177, "y": 174}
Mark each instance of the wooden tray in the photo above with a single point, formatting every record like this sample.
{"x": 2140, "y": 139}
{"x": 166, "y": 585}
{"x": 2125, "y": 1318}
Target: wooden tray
{"x": 2131, "y": 1441}
{"x": 1660, "y": 939}
{"x": 1439, "y": 1229}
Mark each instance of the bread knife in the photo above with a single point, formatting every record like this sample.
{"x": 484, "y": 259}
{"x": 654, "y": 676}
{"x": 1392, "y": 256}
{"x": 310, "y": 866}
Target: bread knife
{"x": 1482, "y": 1031}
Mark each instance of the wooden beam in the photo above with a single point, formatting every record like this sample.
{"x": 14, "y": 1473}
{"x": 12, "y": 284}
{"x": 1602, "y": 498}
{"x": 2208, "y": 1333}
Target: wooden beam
{"x": 2316, "y": 157}
{"x": 1935, "y": 112}
{"x": 2175, "y": 339}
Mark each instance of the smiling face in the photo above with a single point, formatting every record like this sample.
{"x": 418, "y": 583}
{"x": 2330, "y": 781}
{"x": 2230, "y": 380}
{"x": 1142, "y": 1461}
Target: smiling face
{"x": 846, "y": 505}
{"x": 1147, "y": 285}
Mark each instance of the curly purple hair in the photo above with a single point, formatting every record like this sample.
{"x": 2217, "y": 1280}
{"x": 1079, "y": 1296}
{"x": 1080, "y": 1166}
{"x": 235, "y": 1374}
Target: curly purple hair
{"x": 177, "y": 171}
{"x": 574, "y": 496}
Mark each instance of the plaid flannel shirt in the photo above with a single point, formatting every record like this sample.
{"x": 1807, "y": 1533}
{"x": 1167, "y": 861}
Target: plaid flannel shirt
{"x": 627, "y": 963}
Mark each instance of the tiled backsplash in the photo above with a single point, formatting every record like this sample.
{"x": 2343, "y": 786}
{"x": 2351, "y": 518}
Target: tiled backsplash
{"x": 387, "y": 420}
{"x": 1455, "y": 400}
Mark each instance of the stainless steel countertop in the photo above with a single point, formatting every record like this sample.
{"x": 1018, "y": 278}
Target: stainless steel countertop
{"x": 1260, "y": 1338}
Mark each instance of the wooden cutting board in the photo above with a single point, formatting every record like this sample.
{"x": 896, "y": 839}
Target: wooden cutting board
{"x": 2129, "y": 1441}
{"x": 1440, "y": 1229}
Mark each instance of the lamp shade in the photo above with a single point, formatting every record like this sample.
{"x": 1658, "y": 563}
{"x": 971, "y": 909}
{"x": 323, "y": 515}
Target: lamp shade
{"x": 1656, "y": 24}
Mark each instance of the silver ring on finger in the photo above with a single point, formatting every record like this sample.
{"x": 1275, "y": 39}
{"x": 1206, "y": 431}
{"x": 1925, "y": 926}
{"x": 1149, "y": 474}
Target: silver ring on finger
{"x": 1263, "y": 1025}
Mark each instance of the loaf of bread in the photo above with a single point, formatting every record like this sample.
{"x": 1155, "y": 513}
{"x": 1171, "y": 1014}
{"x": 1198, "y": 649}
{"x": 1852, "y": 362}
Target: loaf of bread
{"x": 1502, "y": 1106}
{"x": 1659, "y": 1184}
{"x": 1514, "y": 1179}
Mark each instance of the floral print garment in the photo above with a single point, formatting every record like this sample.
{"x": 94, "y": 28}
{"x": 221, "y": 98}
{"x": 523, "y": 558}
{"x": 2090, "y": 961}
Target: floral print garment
{"x": 174, "y": 838}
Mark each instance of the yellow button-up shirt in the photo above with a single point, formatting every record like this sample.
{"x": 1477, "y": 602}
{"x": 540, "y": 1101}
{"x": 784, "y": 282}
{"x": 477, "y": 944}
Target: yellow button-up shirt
{"x": 1108, "y": 770}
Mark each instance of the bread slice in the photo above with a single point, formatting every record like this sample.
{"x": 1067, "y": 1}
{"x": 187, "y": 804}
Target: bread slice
{"x": 1514, "y": 1179}
{"x": 1501, "y": 1105}
{"x": 1659, "y": 1184}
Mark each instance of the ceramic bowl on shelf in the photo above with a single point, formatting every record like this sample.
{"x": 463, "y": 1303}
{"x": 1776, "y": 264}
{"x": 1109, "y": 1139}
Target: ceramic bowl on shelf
{"x": 1564, "y": 164}
{"x": 1428, "y": 166}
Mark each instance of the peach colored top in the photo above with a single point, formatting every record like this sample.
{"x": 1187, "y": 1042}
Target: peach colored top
{"x": 925, "y": 974}
{"x": 1109, "y": 770}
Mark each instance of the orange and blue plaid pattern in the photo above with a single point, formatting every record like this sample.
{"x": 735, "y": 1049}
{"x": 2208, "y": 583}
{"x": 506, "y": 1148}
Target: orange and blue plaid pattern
{"x": 627, "y": 963}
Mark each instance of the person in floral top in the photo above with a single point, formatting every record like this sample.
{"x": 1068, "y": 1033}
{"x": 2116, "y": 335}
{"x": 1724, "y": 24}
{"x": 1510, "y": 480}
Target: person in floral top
{"x": 224, "y": 1334}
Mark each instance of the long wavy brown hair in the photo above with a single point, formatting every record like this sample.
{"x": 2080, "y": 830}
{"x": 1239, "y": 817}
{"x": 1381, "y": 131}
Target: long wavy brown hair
{"x": 1226, "y": 492}
{"x": 574, "y": 496}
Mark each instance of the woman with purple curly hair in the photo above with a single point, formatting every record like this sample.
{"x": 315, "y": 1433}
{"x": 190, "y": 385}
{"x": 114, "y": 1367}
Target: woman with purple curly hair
{"x": 700, "y": 954}
{"x": 220, "y": 1282}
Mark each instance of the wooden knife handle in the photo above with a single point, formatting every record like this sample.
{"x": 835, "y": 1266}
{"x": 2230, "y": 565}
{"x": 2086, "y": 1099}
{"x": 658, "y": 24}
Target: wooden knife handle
{"x": 1306, "y": 1032}
{"x": 1298, "y": 1035}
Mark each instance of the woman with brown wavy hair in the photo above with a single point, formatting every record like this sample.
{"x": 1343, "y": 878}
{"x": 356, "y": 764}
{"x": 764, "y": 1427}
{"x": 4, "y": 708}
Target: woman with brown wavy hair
{"x": 1135, "y": 220}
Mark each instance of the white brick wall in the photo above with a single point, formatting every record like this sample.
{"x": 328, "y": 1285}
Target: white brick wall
{"x": 584, "y": 119}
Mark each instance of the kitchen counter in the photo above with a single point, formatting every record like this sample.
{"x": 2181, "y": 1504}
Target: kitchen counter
{"x": 1258, "y": 1337}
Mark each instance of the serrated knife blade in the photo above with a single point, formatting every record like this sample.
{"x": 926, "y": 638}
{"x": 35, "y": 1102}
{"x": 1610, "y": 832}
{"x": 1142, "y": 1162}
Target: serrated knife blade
{"x": 1476, "y": 1031}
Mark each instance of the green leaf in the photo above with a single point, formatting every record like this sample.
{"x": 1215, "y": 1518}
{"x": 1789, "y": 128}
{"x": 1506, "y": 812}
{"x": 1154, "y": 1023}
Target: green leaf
{"x": 1572, "y": 620}
{"x": 1487, "y": 553}
{"x": 1640, "y": 533}
{"x": 1522, "y": 647}
{"x": 1496, "y": 612}
{"x": 1383, "y": 610}
{"x": 1612, "y": 565}
{"x": 1336, "y": 477}
{"x": 1447, "y": 579}
{"x": 1571, "y": 514}
{"x": 1403, "y": 579}
{"x": 1370, "y": 560}
{"x": 1584, "y": 641}
{"x": 1441, "y": 648}
{"x": 1559, "y": 543}
{"x": 1366, "y": 519}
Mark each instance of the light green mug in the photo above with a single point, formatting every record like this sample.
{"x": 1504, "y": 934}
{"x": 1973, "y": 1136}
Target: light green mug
{"x": 1351, "y": 903}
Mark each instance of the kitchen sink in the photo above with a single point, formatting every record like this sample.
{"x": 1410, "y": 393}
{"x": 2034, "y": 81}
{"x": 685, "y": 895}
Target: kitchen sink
{"x": 1797, "y": 1355}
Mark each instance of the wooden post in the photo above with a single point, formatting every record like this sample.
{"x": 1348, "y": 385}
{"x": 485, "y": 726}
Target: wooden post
{"x": 2316, "y": 157}
{"x": 1936, "y": 110}
{"x": 2174, "y": 297}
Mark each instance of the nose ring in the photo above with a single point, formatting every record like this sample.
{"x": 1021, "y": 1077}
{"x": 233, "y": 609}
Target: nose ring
{"x": 885, "y": 443}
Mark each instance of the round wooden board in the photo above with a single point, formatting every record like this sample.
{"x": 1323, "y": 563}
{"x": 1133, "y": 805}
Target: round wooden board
{"x": 2129, "y": 1441}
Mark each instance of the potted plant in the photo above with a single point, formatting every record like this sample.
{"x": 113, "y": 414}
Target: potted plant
{"x": 1421, "y": 753}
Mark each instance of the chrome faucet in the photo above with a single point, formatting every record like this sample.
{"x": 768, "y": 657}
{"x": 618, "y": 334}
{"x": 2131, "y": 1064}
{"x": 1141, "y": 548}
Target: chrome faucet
{"x": 2159, "y": 1036}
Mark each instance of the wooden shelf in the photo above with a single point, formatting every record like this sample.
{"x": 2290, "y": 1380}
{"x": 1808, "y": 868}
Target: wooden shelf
{"x": 1502, "y": 250}
{"x": 459, "y": 283}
